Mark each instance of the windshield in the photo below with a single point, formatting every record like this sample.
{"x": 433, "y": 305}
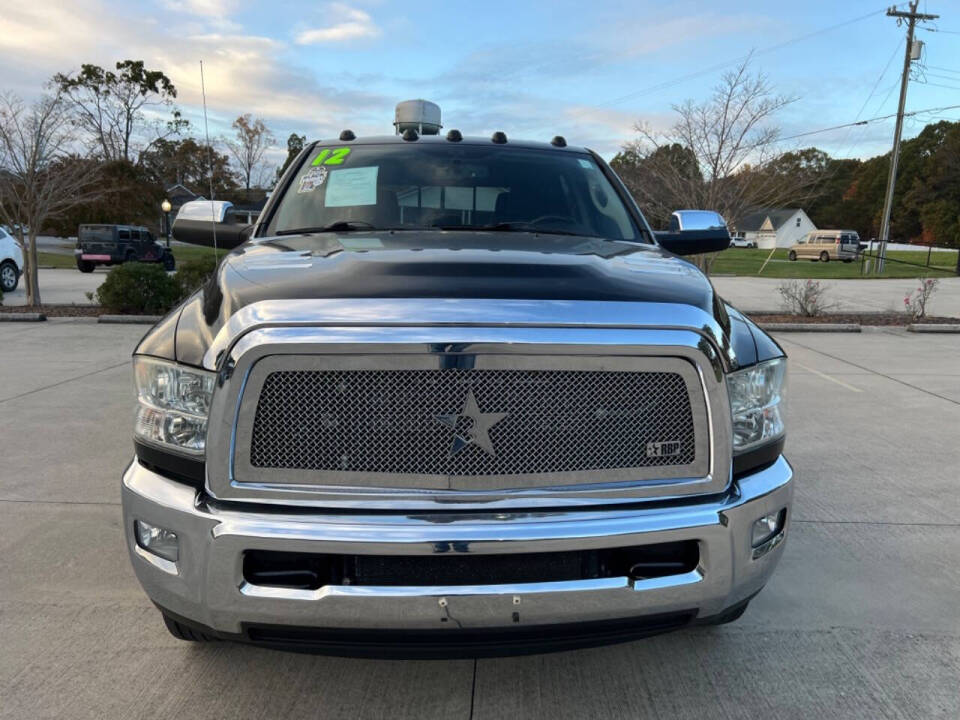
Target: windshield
{"x": 411, "y": 187}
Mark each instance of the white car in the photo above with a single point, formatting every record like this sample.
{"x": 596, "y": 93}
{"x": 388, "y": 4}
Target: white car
{"x": 11, "y": 262}
{"x": 739, "y": 242}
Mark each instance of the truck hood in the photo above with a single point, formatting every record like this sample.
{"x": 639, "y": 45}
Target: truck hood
{"x": 429, "y": 264}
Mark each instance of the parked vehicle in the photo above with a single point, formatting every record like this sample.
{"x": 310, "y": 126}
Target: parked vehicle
{"x": 11, "y": 262}
{"x": 117, "y": 244}
{"x": 742, "y": 242}
{"x": 827, "y": 245}
{"x": 454, "y": 397}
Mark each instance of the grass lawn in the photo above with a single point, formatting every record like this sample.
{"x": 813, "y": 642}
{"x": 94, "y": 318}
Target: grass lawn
{"x": 747, "y": 261}
{"x": 180, "y": 252}
{"x": 733, "y": 261}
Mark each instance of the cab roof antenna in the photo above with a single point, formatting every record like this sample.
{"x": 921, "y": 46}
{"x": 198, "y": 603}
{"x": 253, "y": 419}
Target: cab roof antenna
{"x": 206, "y": 130}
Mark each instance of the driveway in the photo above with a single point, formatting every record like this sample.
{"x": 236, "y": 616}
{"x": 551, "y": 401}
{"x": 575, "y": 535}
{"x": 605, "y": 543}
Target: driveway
{"x": 60, "y": 287}
{"x": 861, "y": 619}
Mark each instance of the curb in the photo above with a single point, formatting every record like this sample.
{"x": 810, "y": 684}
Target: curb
{"x": 811, "y": 327}
{"x": 924, "y": 328}
{"x": 22, "y": 317}
{"x": 130, "y": 319}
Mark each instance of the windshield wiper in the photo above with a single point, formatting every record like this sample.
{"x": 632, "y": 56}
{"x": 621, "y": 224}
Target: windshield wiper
{"x": 338, "y": 226}
{"x": 515, "y": 226}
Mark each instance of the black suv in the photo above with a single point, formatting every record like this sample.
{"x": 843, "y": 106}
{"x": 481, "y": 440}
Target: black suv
{"x": 117, "y": 244}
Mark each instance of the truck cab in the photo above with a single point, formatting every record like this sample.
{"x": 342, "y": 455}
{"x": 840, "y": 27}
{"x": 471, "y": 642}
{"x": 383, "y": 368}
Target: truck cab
{"x": 453, "y": 396}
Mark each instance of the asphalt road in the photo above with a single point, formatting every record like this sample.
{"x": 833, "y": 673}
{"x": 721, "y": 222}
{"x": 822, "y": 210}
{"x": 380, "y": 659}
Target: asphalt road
{"x": 860, "y": 621}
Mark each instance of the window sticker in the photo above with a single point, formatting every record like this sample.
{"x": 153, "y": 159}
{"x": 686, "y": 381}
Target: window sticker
{"x": 583, "y": 163}
{"x": 329, "y": 156}
{"x": 352, "y": 186}
{"x": 312, "y": 179}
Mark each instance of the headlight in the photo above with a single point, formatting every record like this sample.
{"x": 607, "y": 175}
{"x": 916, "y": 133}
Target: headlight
{"x": 172, "y": 404}
{"x": 756, "y": 403}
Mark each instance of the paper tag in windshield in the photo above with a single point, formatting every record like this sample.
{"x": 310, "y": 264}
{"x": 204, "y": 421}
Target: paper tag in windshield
{"x": 312, "y": 179}
{"x": 352, "y": 186}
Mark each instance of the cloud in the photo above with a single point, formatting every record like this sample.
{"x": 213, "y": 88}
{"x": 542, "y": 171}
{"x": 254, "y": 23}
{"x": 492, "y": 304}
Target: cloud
{"x": 243, "y": 72}
{"x": 346, "y": 23}
{"x": 203, "y": 8}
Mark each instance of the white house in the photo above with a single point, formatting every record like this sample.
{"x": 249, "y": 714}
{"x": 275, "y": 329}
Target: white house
{"x": 774, "y": 227}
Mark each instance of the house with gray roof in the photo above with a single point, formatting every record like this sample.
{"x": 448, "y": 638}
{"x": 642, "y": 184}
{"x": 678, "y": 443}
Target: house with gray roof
{"x": 773, "y": 227}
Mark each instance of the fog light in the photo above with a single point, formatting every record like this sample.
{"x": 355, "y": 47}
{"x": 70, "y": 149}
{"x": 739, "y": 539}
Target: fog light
{"x": 162, "y": 543}
{"x": 767, "y": 527}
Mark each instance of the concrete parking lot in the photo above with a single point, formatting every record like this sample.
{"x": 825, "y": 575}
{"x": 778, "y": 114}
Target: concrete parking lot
{"x": 861, "y": 620}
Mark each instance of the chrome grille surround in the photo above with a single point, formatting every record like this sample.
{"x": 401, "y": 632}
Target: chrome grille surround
{"x": 415, "y": 452}
{"x": 248, "y": 357}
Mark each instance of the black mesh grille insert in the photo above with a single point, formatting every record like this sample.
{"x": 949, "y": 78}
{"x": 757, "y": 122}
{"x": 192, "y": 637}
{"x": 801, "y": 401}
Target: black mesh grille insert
{"x": 472, "y": 422}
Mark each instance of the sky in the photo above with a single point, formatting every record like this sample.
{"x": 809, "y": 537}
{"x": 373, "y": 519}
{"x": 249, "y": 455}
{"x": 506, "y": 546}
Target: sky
{"x": 588, "y": 71}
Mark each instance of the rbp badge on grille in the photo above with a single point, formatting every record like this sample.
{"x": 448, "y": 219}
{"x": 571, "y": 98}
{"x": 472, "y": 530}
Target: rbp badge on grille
{"x": 663, "y": 449}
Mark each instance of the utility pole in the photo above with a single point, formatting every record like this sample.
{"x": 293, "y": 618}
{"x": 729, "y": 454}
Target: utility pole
{"x": 911, "y": 16}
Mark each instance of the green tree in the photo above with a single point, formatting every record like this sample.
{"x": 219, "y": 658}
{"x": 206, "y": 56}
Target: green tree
{"x": 253, "y": 139}
{"x": 188, "y": 162}
{"x": 112, "y": 107}
{"x": 295, "y": 144}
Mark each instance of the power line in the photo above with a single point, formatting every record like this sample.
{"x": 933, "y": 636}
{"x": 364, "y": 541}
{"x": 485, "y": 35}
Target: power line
{"x": 947, "y": 32}
{"x": 719, "y": 66}
{"x": 948, "y": 87}
{"x": 942, "y": 69}
{"x": 857, "y": 122}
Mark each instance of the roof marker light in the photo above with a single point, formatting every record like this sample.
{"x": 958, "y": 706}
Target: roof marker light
{"x": 454, "y": 136}
{"x": 499, "y": 137}
{"x": 559, "y": 141}
{"x": 347, "y": 135}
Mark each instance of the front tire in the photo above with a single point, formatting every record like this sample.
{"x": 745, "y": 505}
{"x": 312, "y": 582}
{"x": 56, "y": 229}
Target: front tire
{"x": 169, "y": 262}
{"x": 9, "y": 277}
{"x": 792, "y": 256}
{"x": 85, "y": 266}
{"x": 824, "y": 256}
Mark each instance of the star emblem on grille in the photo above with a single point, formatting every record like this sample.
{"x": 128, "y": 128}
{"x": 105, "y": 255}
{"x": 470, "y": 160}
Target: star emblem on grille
{"x": 478, "y": 431}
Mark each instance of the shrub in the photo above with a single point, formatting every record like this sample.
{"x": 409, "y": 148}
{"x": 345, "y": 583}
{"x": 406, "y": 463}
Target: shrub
{"x": 915, "y": 303}
{"x": 192, "y": 274}
{"x": 139, "y": 288}
{"x": 804, "y": 297}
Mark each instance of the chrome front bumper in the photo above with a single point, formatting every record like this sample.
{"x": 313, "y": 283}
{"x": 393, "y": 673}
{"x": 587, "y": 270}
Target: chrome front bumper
{"x": 206, "y": 585}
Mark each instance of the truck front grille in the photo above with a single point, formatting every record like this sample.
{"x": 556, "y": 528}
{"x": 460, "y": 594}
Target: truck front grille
{"x": 472, "y": 422}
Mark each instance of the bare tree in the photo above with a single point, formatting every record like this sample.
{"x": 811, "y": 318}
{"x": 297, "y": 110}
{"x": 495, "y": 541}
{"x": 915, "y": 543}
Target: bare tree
{"x": 118, "y": 109}
{"x": 253, "y": 140}
{"x": 39, "y": 177}
{"x": 721, "y": 154}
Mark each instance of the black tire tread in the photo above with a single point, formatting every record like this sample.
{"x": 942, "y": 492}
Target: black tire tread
{"x": 17, "y": 282}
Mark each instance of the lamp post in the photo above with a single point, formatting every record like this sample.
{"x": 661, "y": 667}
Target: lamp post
{"x": 166, "y": 207}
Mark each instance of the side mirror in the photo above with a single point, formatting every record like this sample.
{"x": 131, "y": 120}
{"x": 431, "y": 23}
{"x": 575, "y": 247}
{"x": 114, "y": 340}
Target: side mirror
{"x": 209, "y": 223}
{"x": 695, "y": 231}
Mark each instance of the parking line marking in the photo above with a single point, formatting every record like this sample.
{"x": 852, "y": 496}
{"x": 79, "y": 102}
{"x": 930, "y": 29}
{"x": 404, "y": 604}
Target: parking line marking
{"x": 829, "y": 377}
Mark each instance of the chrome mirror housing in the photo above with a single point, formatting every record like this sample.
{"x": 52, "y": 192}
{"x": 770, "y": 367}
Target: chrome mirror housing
{"x": 209, "y": 223}
{"x": 695, "y": 231}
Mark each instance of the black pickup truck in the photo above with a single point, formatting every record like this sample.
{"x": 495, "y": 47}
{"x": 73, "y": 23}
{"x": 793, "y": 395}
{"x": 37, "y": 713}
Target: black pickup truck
{"x": 453, "y": 396}
{"x": 117, "y": 244}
